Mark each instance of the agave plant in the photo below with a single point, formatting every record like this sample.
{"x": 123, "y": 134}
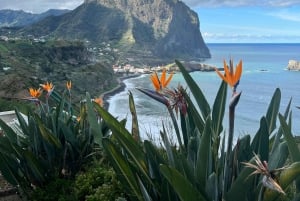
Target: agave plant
{"x": 205, "y": 165}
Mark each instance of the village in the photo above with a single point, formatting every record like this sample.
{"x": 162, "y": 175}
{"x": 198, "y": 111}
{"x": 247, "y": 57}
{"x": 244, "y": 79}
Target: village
{"x": 130, "y": 69}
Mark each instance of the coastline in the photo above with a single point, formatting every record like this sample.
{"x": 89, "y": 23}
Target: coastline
{"x": 119, "y": 88}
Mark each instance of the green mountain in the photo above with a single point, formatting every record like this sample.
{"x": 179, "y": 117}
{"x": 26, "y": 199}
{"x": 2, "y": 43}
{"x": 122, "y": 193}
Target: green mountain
{"x": 138, "y": 31}
{"x": 19, "y": 18}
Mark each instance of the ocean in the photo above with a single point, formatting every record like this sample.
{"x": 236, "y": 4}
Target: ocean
{"x": 264, "y": 70}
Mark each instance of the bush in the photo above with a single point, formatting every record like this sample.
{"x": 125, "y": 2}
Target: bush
{"x": 58, "y": 189}
{"x": 98, "y": 182}
{"x": 95, "y": 182}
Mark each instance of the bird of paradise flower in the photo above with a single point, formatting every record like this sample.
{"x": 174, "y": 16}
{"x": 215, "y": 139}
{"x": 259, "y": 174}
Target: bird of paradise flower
{"x": 269, "y": 178}
{"x": 162, "y": 82}
{"x": 231, "y": 76}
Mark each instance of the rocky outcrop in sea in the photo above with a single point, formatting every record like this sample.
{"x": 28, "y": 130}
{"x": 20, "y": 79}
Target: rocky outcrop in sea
{"x": 293, "y": 65}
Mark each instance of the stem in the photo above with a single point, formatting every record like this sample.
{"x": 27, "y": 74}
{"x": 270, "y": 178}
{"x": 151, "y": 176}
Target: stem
{"x": 231, "y": 130}
{"x": 70, "y": 103}
{"x": 228, "y": 166}
{"x": 47, "y": 105}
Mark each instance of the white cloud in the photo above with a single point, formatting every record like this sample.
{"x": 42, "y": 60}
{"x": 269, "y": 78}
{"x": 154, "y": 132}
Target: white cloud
{"x": 43, "y": 5}
{"x": 286, "y": 15}
{"x": 241, "y": 38}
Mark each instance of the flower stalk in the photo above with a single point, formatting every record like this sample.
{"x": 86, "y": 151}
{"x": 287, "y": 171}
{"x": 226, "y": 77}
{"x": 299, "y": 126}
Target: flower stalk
{"x": 232, "y": 78}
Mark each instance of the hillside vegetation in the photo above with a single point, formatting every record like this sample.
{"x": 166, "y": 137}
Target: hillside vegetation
{"x": 24, "y": 64}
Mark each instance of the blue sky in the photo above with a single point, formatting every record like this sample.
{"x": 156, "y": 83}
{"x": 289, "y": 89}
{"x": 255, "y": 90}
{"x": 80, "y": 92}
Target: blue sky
{"x": 262, "y": 24}
{"x": 225, "y": 21}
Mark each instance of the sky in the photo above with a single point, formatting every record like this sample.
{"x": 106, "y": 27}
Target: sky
{"x": 221, "y": 21}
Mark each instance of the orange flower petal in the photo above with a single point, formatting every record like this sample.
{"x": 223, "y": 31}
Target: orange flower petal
{"x": 69, "y": 85}
{"x": 155, "y": 81}
{"x": 163, "y": 78}
{"x": 47, "y": 87}
{"x": 35, "y": 93}
{"x": 228, "y": 75}
{"x": 168, "y": 80}
{"x": 238, "y": 72}
{"x": 221, "y": 75}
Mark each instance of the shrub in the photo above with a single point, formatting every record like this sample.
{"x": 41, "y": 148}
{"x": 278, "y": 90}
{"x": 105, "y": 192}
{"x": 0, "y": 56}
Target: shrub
{"x": 98, "y": 182}
{"x": 58, "y": 189}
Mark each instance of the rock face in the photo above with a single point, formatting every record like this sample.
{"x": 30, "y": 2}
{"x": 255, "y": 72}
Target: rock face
{"x": 171, "y": 28}
{"x": 293, "y": 65}
{"x": 143, "y": 30}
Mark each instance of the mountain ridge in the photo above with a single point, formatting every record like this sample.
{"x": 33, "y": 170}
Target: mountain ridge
{"x": 20, "y": 18}
{"x": 147, "y": 32}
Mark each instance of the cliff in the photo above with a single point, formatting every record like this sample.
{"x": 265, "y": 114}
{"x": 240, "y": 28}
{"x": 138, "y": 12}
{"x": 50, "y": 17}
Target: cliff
{"x": 141, "y": 31}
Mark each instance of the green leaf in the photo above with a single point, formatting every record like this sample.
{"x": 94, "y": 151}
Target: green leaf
{"x": 243, "y": 149}
{"x": 279, "y": 132}
{"x": 290, "y": 140}
{"x": 8, "y": 168}
{"x": 35, "y": 167}
{"x": 186, "y": 168}
{"x": 95, "y": 127}
{"x": 193, "y": 112}
{"x": 273, "y": 109}
{"x": 212, "y": 187}
{"x": 242, "y": 185}
{"x": 69, "y": 135}
{"x": 145, "y": 193}
{"x": 46, "y": 133}
{"x": 196, "y": 91}
{"x": 168, "y": 192}
{"x": 184, "y": 129}
{"x": 184, "y": 189}
{"x": 60, "y": 115}
{"x": 260, "y": 143}
{"x": 9, "y": 132}
{"x": 6, "y": 147}
{"x": 123, "y": 167}
{"x": 135, "y": 125}
{"x": 23, "y": 123}
{"x": 154, "y": 160}
{"x": 203, "y": 154}
{"x": 278, "y": 157}
{"x": 219, "y": 109}
{"x": 168, "y": 147}
{"x": 126, "y": 141}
